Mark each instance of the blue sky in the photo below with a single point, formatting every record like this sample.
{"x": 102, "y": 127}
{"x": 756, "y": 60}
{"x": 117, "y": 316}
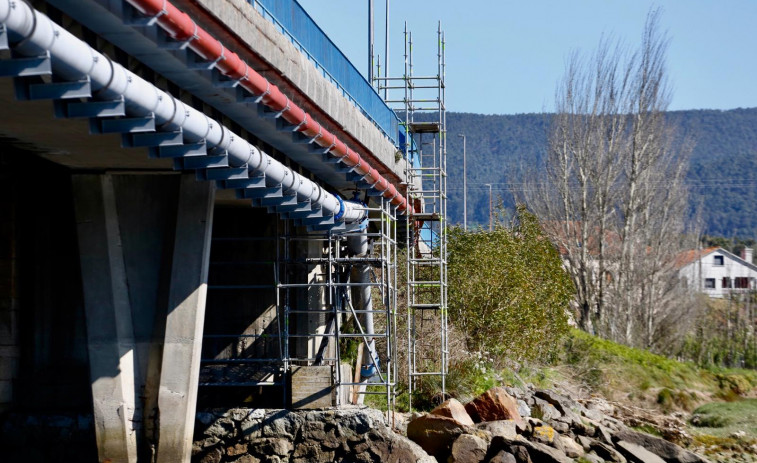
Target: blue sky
{"x": 505, "y": 57}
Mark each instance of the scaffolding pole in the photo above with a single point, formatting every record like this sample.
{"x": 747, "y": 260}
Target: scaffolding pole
{"x": 421, "y": 100}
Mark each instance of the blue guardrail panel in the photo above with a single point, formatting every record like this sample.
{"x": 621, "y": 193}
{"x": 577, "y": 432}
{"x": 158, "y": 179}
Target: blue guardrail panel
{"x": 295, "y": 21}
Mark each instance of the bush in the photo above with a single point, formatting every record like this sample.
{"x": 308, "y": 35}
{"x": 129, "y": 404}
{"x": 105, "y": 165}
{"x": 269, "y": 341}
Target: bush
{"x": 738, "y": 384}
{"x": 508, "y": 290}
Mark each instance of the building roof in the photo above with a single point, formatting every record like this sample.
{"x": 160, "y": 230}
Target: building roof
{"x": 692, "y": 255}
{"x": 686, "y": 257}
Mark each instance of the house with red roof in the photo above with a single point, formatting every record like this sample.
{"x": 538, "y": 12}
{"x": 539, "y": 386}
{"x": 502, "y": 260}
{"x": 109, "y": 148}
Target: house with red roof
{"x": 717, "y": 272}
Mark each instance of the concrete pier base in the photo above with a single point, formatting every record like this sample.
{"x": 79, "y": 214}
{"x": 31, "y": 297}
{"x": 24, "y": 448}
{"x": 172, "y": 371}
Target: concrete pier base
{"x": 144, "y": 244}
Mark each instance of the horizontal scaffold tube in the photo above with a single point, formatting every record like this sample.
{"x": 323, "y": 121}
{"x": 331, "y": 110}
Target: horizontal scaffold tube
{"x": 33, "y": 34}
{"x": 179, "y": 26}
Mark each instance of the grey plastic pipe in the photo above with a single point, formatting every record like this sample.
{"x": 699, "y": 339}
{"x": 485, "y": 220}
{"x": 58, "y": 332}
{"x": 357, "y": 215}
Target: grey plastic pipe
{"x": 358, "y": 246}
{"x": 34, "y": 34}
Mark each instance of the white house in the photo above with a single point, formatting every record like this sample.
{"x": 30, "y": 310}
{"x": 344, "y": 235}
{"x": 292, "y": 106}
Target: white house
{"x": 717, "y": 272}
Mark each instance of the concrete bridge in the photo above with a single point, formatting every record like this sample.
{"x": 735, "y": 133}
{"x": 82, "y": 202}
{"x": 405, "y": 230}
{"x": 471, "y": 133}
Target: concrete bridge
{"x": 136, "y": 281}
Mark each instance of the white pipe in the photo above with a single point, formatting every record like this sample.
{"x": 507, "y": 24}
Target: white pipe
{"x": 35, "y": 34}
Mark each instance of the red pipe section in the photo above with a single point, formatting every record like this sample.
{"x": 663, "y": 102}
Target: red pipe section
{"x": 182, "y": 28}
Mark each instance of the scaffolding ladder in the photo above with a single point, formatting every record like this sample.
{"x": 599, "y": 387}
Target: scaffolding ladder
{"x": 422, "y": 107}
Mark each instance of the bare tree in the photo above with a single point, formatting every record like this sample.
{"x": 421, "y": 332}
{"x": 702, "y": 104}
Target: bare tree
{"x": 612, "y": 197}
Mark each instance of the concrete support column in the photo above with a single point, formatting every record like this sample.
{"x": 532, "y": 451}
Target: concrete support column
{"x": 110, "y": 334}
{"x": 177, "y": 397}
{"x": 144, "y": 242}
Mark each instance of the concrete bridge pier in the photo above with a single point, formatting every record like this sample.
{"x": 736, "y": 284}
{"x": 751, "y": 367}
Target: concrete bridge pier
{"x": 144, "y": 244}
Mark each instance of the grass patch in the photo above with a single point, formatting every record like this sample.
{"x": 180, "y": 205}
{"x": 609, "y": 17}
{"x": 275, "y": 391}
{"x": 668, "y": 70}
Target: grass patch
{"x": 722, "y": 419}
{"x": 648, "y": 429}
{"x": 615, "y": 370}
{"x": 605, "y": 366}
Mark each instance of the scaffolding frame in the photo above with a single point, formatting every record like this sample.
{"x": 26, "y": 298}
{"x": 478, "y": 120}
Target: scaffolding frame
{"x": 294, "y": 308}
{"x": 422, "y": 104}
{"x": 334, "y": 269}
{"x": 232, "y": 359}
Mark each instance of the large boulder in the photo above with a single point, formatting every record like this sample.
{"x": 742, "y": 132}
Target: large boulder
{"x": 503, "y": 457}
{"x": 468, "y": 448}
{"x": 499, "y": 428}
{"x": 545, "y": 454}
{"x": 494, "y": 404}
{"x": 544, "y": 410}
{"x": 436, "y": 434}
{"x": 452, "y": 408}
{"x": 637, "y": 453}
{"x": 607, "y": 452}
{"x": 394, "y": 450}
{"x": 568, "y": 408}
{"x": 669, "y": 451}
{"x": 570, "y": 447}
{"x": 543, "y": 434}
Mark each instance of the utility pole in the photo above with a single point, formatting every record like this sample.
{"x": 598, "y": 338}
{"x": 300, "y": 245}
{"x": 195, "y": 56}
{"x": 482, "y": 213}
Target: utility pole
{"x": 491, "y": 227}
{"x": 465, "y": 189}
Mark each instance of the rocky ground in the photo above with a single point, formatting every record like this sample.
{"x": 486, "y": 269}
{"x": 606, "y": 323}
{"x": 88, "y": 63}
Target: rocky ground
{"x": 319, "y": 436}
{"x": 536, "y": 426}
{"x": 504, "y": 425}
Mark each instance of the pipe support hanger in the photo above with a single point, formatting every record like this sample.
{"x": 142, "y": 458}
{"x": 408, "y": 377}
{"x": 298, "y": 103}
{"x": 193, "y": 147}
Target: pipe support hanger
{"x": 32, "y": 34}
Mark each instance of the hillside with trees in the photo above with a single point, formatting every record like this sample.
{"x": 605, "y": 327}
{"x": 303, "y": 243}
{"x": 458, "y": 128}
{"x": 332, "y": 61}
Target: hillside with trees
{"x": 501, "y": 149}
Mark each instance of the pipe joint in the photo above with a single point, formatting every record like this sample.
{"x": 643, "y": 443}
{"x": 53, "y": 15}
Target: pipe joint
{"x": 255, "y": 152}
{"x": 332, "y": 145}
{"x": 245, "y": 77}
{"x": 338, "y": 216}
{"x": 219, "y": 58}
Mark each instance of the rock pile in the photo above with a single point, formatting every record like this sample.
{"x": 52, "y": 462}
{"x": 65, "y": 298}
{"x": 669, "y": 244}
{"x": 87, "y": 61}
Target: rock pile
{"x": 510, "y": 425}
{"x": 276, "y": 436}
{"x": 503, "y": 425}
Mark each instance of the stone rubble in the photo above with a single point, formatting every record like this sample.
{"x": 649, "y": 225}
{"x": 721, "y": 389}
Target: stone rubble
{"x": 558, "y": 430}
{"x": 318, "y": 436}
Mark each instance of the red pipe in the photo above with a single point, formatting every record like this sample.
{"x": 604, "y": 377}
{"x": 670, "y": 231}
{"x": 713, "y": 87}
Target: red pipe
{"x": 181, "y": 27}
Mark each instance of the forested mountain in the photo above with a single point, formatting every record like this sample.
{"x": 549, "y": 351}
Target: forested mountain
{"x": 722, "y": 170}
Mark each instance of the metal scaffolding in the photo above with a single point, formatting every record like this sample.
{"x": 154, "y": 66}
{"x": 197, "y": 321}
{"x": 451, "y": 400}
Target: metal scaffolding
{"x": 324, "y": 324}
{"x": 245, "y": 351}
{"x": 425, "y": 146}
{"x": 315, "y": 318}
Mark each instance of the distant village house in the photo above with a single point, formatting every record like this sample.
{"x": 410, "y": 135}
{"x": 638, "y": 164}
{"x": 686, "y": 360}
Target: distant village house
{"x": 717, "y": 272}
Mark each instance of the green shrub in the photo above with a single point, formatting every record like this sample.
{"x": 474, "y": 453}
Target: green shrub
{"x": 665, "y": 398}
{"x": 508, "y": 290}
{"x": 738, "y": 384}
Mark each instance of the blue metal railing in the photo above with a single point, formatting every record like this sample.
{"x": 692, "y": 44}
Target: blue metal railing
{"x": 296, "y": 23}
